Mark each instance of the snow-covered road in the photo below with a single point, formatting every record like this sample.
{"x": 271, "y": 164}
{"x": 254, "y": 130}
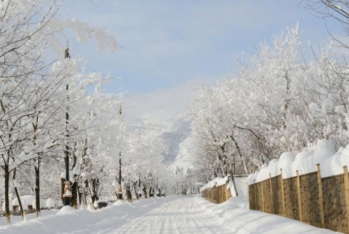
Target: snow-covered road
{"x": 174, "y": 214}
{"x": 179, "y": 216}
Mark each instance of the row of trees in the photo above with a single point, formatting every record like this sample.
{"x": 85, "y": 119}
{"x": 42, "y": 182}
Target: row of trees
{"x": 280, "y": 101}
{"x": 36, "y": 95}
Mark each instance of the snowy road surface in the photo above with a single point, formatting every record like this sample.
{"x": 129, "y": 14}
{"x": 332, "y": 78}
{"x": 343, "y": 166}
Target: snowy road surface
{"x": 178, "y": 216}
{"x": 174, "y": 214}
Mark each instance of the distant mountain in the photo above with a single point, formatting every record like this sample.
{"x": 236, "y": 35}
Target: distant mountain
{"x": 164, "y": 111}
{"x": 173, "y": 139}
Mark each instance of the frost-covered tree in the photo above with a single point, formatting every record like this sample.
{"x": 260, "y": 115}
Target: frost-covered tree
{"x": 29, "y": 29}
{"x": 143, "y": 169}
{"x": 278, "y": 102}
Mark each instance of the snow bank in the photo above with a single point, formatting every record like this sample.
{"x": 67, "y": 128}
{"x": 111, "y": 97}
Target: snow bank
{"x": 42, "y": 203}
{"x": 30, "y": 200}
{"x": 25, "y": 199}
{"x": 334, "y": 165}
{"x": 173, "y": 214}
{"x": 214, "y": 183}
{"x": 331, "y": 163}
{"x": 240, "y": 182}
{"x": 66, "y": 210}
{"x": 236, "y": 218}
{"x": 50, "y": 203}
{"x": 59, "y": 203}
{"x": 69, "y": 220}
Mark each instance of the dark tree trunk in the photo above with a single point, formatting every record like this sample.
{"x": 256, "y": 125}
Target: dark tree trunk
{"x": 7, "y": 200}
{"x": 145, "y": 191}
{"x": 128, "y": 193}
{"x": 136, "y": 192}
{"x": 79, "y": 196}
{"x": 95, "y": 186}
{"x": 17, "y": 195}
{"x": 62, "y": 190}
{"x": 37, "y": 171}
{"x": 37, "y": 189}
{"x": 75, "y": 195}
{"x": 151, "y": 192}
{"x": 19, "y": 202}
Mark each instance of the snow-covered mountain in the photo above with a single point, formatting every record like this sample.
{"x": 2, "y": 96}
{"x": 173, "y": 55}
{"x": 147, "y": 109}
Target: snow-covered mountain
{"x": 164, "y": 111}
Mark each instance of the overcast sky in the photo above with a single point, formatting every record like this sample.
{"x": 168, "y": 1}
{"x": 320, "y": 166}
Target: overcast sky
{"x": 166, "y": 45}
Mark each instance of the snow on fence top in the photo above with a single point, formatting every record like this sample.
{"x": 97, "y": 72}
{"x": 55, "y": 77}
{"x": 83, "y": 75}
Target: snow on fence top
{"x": 331, "y": 163}
{"x": 214, "y": 182}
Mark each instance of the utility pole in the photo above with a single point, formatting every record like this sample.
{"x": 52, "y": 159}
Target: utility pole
{"x": 67, "y": 195}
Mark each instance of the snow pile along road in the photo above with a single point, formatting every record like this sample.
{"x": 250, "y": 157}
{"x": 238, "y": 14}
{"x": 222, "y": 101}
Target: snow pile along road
{"x": 236, "y": 219}
{"x": 175, "y": 214}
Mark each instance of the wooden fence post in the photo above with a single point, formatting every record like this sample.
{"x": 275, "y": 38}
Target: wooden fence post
{"x": 321, "y": 202}
{"x": 346, "y": 186}
{"x": 255, "y": 194}
{"x": 271, "y": 195}
{"x": 249, "y": 197}
{"x": 299, "y": 197}
{"x": 262, "y": 196}
{"x": 210, "y": 194}
{"x": 227, "y": 192}
{"x": 282, "y": 194}
{"x": 220, "y": 194}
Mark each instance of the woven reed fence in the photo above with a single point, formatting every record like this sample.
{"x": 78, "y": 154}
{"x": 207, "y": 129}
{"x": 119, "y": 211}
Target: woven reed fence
{"x": 321, "y": 202}
{"x": 217, "y": 194}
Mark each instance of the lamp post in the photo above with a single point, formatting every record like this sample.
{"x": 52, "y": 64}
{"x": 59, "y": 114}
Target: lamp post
{"x": 67, "y": 195}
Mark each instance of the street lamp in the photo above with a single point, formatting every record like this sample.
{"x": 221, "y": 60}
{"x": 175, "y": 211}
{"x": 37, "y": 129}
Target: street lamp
{"x": 67, "y": 195}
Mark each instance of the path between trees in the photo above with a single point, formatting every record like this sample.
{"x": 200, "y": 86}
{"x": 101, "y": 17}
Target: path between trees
{"x": 178, "y": 216}
{"x": 174, "y": 214}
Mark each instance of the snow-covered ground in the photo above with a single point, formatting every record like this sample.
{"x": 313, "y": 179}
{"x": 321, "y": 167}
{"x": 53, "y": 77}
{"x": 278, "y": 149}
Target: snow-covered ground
{"x": 173, "y": 214}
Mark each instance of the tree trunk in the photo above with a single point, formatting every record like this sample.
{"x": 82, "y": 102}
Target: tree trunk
{"x": 19, "y": 202}
{"x": 7, "y": 202}
{"x": 95, "y": 187}
{"x": 37, "y": 189}
{"x": 136, "y": 192}
{"x": 240, "y": 154}
{"x": 230, "y": 172}
{"x": 151, "y": 192}
{"x": 17, "y": 194}
{"x": 235, "y": 189}
{"x": 75, "y": 195}
{"x": 128, "y": 193}
{"x": 145, "y": 191}
{"x": 62, "y": 189}
{"x": 79, "y": 197}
